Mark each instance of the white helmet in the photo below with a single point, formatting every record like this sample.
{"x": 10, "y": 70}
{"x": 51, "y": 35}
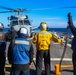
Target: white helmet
{"x": 1, "y": 26}
{"x": 43, "y": 26}
{"x": 23, "y": 32}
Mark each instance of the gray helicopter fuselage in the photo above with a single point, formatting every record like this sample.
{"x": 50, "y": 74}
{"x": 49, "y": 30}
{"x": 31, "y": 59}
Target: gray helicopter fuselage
{"x": 19, "y": 21}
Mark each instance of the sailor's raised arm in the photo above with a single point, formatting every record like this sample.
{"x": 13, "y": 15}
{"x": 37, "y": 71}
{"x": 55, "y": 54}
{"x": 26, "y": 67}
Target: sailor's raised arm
{"x": 71, "y": 25}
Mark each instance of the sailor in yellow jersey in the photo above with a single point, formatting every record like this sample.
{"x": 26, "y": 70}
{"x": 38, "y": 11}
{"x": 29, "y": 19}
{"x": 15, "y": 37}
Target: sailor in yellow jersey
{"x": 42, "y": 40}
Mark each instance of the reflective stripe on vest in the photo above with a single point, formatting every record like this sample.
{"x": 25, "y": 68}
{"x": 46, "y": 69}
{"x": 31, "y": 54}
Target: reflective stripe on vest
{"x": 21, "y": 42}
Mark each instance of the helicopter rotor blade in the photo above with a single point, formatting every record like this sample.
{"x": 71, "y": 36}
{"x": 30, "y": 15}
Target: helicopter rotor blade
{"x": 14, "y": 10}
{"x": 25, "y": 10}
{"x": 5, "y": 11}
{"x": 7, "y": 8}
{"x": 54, "y": 8}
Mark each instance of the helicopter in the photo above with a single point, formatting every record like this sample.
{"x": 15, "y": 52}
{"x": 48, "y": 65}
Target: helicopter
{"x": 17, "y": 21}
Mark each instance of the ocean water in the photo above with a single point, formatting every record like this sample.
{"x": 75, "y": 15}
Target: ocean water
{"x": 6, "y": 30}
{"x": 62, "y": 30}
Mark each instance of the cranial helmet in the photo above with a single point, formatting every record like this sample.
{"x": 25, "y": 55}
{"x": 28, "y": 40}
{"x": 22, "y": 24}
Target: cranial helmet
{"x": 23, "y": 32}
{"x": 1, "y": 25}
{"x": 43, "y": 26}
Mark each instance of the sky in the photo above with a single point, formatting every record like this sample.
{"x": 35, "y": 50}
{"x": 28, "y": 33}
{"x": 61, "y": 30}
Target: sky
{"x": 55, "y": 18}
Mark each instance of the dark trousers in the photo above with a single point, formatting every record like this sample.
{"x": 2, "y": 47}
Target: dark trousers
{"x": 2, "y": 64}
{"x": 39, "y": 57}
{"x": 17, "y": 72}
{"x": 74, "y": 62}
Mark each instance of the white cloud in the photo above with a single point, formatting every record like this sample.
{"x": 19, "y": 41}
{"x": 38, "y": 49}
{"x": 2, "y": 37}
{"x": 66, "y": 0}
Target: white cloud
{"x": 74, "y": 22}
{"x": 57, "y": 24}
{"x": 55, "y": 18}
{"x": 54, "y": 22}
{"x": 62, "y": 23}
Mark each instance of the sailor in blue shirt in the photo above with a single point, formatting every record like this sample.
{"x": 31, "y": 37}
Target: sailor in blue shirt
{"x": 20, "y": 53}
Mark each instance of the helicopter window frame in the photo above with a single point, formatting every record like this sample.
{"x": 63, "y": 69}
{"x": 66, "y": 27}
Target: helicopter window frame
{"x": 20, "y": 22}
{"x": 23, "y": 22}
{"x": 14, "y": 22}
{"x": 26, "y": 22}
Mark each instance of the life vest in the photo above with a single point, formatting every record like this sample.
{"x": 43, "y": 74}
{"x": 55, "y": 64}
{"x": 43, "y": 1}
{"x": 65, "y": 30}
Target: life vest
{"x": 43, "y": 40}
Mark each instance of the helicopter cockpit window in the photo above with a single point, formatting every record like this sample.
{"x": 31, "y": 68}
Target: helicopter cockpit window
{"x": 20, "y": 22}
{"x": 15, "y": 22}
{"x": 26, "y": 22}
